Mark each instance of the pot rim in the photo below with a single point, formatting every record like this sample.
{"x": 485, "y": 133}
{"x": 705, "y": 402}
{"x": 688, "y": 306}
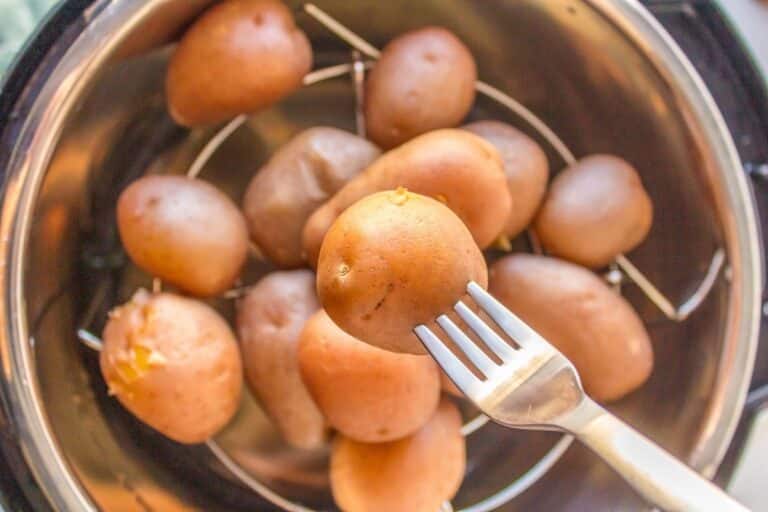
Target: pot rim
{"x": 32, "y": 145}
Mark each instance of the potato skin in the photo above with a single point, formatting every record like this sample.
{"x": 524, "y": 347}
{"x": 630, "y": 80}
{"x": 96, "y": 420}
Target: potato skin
{"x": 270, "y": 318}
{"x": 526, "y": 168}
{"x": 392, "y": 261}
{"x": 240, "y": 56}
{"x": 595, "y": 210}
{"x": 184, "y": 231}
{"x": 593, "y": 326}
{"x": 366, "y": 393}
{"x": 424, "y": 80}
{"x": 174, "y": 363}
{"x": 457, "y": 167}
{"x": 301, "y": 176}
{"x": 414, "y": 474}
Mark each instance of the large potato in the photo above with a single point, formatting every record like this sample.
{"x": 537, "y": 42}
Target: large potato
{"x": 174, "y": 363}
{"x": 456, "y": 167}
{"x": 424, "y": 80}
{"x": 525, "y": 165}
{"x": 269, "y": 320}
{"x": 392, "y": 261}
{"x": 302, "y": 175}
{"x": 238, "y": 57}
{"x": 415, "y": 474}
{"x": 577, "y": 312}
{"x": 366, "y": 393}
{"x": 595, "y": 210}
{"x": 184, "y": 231}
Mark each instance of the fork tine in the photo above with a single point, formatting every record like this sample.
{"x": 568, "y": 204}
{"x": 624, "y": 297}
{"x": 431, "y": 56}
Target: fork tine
{"x": 508, "y": 321}
{"x": 481, "y": 361}
{"x": 492, "y": 340}
{"x": 464, "y": 379}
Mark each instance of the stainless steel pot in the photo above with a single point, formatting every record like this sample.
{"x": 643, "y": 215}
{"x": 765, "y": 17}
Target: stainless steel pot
{"x": 601, "y": 73}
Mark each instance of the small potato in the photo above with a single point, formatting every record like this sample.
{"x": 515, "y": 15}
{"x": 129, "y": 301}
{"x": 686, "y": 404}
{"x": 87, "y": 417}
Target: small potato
{"x": 174, "y": 363}
{"x": 269, "y": 320}
{"x": 424, "y": 80}
{"x": 392, "y": 261}
{"x": 456, "y": 167}
{"x": 366, "y": 393}
{"x": 184, "y": 231}
{"x": 593, "y": 326}
{"x": 525, "y": 165}
{"x": 302, "y": 175}
{"x": 415, "y": 474}
{"x": 240, "y": 56}
{"x": 595, "y": 210}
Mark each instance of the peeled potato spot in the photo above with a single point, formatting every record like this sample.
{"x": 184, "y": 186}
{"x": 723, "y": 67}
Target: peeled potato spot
{"x": 173, "y": 362}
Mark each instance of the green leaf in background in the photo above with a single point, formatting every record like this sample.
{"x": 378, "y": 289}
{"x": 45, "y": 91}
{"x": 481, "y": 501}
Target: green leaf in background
{"x": 17, "y": 20}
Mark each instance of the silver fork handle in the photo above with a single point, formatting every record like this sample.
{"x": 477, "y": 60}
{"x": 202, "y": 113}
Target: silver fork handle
{"x": 659, "y": 477}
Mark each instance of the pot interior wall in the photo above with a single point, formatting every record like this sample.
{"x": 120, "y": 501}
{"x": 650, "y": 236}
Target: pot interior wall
{"x": 560, "y": 58}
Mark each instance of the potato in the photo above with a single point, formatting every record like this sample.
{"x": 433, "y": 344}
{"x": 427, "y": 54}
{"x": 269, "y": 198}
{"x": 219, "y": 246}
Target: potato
{"x": 595, "y": 210}
{"x": 240, "y": 56}
{"x": 392, "y": 261}
{"x": 302, "y": 175}
{"x": 525, "y": 165}
{"x": 174, "y": 363}
{"x": 269, "y": 320}
{"x": 415, "y": 474}
{"x": 424, "y": 80}
{"x": 456, "y": 167}
{"x": 184, "y": 231}
{"x": 578, "y": 313}
{"x": 366, "y": 393}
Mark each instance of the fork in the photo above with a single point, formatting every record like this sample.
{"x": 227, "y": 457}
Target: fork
{"x": 536, "y": 387}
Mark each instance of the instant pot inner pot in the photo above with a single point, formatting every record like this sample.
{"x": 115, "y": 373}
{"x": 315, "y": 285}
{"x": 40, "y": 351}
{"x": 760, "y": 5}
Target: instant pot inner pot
{"x": 561, "y": 58}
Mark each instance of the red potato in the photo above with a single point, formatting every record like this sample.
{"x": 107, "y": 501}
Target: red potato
{"x": 303, "y": 174}
{"x": 423, "y": 81}
{"x": 270, "y": 318}
{"x": 240, "y": 56}
{"x": 414, "y": 474}
{"x": 592, "y": 325}
{"x": 392, "y": 261}
{"x": 366, "y": 393}
{"x": 184, "y": 231}
{"x": 174, "y": 363}
{"x": 454, "y": 166}
{"x": 525, "y": 165}
{"x": 595, "y": 210}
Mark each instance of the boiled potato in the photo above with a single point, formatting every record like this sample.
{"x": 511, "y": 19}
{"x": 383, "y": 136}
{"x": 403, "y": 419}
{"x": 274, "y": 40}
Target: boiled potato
{"x": 392, "y": 261}
{"x": 240, "y": 56}
{"x": 424, "y": 80}
{"x": 592, "y": 325}
{"x": 174, "y": 363}
{"x": 269, "y": 320}
{"x": 454, "y": 166}
{"x": 525, "y": 165}
{"x": 595, "y": 210}
{"x": 366, "y": 393}
{"x": 414, "y": 474}
{"x": 302, "y": 175}
{"x": 184, "y": 231}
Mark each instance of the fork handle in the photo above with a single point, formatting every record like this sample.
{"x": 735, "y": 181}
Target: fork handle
{"x": 659, "y": 477}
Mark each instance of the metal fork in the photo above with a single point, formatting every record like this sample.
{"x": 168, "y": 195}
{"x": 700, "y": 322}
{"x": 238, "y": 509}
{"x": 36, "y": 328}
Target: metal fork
{"x": 536, "y": 387}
